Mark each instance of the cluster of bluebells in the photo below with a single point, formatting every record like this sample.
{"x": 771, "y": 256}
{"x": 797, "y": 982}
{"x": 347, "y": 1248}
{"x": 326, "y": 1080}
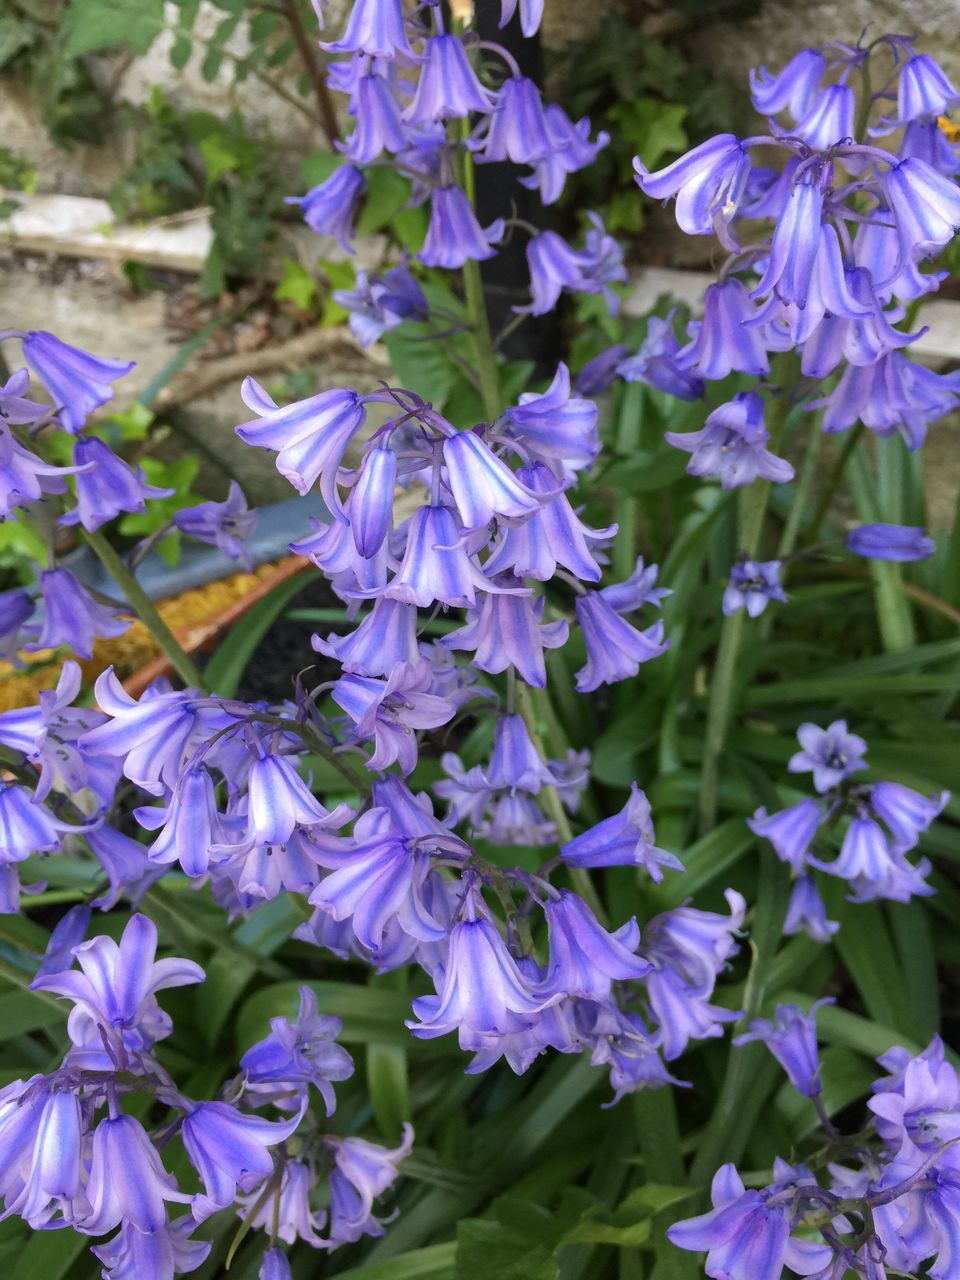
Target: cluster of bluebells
{"x": 483, "y": 527}
{"x": 825, "y": 253}
{"x": 94, "y": 489}
{"x": 73, "y": 1155}
{"x": 885, "y": 1202}
{"x": 877, "y": 824}
{"x": 425, "y": 100}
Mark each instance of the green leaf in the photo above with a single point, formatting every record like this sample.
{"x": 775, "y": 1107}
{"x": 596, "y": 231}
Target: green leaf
{"x": 319, "y": 167}
{"x": 436, "y": 1262}
{"x": 388, "y": 1087}
{"x": 653, "y": 128}
{"x": 103, "y": 24}
{"x": 23, "y": 1011}
{"x": 49, "y": 1254}
{"x": 421, "y": 364}
{"x": 225, "y": 669}
{"x": 387, "y": 193}
{"x": 296, "y": 285}
{"x": 519, "y": 1243}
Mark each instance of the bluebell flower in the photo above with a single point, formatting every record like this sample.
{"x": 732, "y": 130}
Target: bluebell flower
{"x": 124, "y": 863}
{"x": 26, "y": 826}
{"x": 792, "y": 1039}
{"x": 436, "y": 564}
{"x": 480, "y": 990}
{"x": 552, "y": 1028}
{"x": 384, "y": 639}
{"x": 615, "y": 649}
{"x": 637, "y": 590}
{"x": 531, "y": 14}
{"x": 625, "y": 839}
{"x": 300, "y": 1053}
{"x": 225, "y": 525}
{"x": 310, "y": 437}
{"x": 274, "y": 1265}
{"x": 23, "y": 476}
{"x": 890, "y": 542}
{"x": 507, "y": 630}
{"x": 15, "y": 409}
{"x": 377, "y": 305}
{"x": 448, "y": 88}
{"x": 553, "y": 535}
{"x": 723, "y": 342}
{"x": 47, "y": 734}
{"x": 376, "y": 28}
{"x": 15, "y": 608}
{"x": 278, "y": 801}
{"x": 682, "y": 1012}
{"x": 925, "y": 140}
{"x": 601, "y": 372}
{"x": 584, "y": 959}
{"x": 517, "y": 129}
{"x": 794, "y": 88}
{"x": 288, "y": 1212}
{"x": 133, "y": 1253}
{"x": 904, "y": 812}
{"x": 795, "y": 245}
{"x": 515, "y": 761}
{"x": 554, "y": 266}
{"x": 45, "y": 1141}
{"x": 392, "y": 711}
{"x": 189, "y": 824}
{"x": 806, "y": 912}
{"x": 832, "y": 755}
{"x": 924, "y": 90}
{"x": 127, "y": 1182}
{"x": 708, "y": 183}
{"x": 117, "y": 982}
{"x": 331, "y": 548}
{"x": 731, "y": 446}
{"x": 925, "y": 206}
{"x": 361, "y": 1171}
{"x": 371, "y": 500}
{"x": 454, "y": 235}
{"x": 753, "y": 584}
{"x": 482, "y": 485}
{"x": 77, "y": 381}
{"x": 571, "y": 150}
{"x": 894, "y": 394}
{"x": 466, "y": 791}
{"x": 555, "y": 427}
{"x": 151, "y": 735}
{"x": 656, "y": 364}
{"x": 378, "y": 125}
{"x": 516, "y": 818}
{"x": 746, "y": 1236}
{"x": 374, "y": 883}
{"x": 696, "y": 944}
{"x": 71, "y": 616}
{"x": 829, "y": 119}
{"x": 874, "y": 866}
{"x": 328, "y": 208}
{"x": 230, "y": 1150}
{"x": 106, "y": 486}
{"x": 607, "y": 267}
{"x": 790, "y": 831}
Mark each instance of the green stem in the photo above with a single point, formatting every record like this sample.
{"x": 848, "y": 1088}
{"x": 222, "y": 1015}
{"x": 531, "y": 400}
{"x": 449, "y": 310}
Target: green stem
{"x": 144, "y": 608}
{"x": 753, "y": 508}
{"x": 808, "y": 470}
{"x": 725, "y": 1136}
{"x": 483, "y": 349}
{"x": 550, "y": 799}
{"x": 628, "y": 439}
{"x": 836, "y": 475}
